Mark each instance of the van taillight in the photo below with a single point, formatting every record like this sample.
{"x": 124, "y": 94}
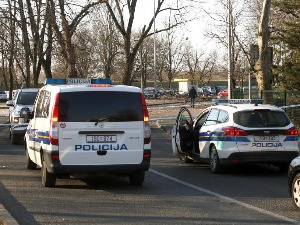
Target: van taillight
{"x": 147, "y": 129}
{"x": 53, "y": 134}
{"x": 234, "y": 131}
{"x": 293, "y": 131}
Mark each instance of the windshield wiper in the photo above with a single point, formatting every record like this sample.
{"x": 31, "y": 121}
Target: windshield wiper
{"x": 105, "y": 119}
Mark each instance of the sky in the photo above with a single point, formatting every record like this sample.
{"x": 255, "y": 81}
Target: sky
{"x": 194, "y": 30}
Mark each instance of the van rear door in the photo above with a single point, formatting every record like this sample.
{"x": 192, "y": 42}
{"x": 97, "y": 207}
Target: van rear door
{"x": 100, "y": 128}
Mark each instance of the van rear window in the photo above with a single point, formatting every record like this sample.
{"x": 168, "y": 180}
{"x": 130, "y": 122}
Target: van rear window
{"x": 261, "y": 118}
{"x": 100, "y": 106}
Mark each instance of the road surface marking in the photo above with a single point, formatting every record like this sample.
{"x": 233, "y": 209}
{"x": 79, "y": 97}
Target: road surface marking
{"x": 224, "y": 198}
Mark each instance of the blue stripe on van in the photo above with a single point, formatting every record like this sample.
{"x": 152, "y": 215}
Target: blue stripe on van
{"x": 40, "y": 136}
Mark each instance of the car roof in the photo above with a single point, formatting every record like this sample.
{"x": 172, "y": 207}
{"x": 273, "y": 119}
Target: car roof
{"x": 29, "y": 89}
{"x": 88, "y": 87}
{"x": 244, "y": 107}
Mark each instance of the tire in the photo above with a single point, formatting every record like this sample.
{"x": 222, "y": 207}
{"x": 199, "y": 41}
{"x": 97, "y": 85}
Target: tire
{"x": 296, "y": 190}
{"x": 185, "y": 159}
{"x": 15, "y": 139}
{"x": 215, "y": 166}
{"x": 137, "y": 179}
{"x": 48, "y": 179}
{"x": 29, "y": 163}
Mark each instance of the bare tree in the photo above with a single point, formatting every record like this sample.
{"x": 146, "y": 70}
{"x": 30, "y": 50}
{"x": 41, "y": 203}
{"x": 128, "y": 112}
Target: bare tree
{"x": 118, "y": 13}
{"x": 65, "y": 29}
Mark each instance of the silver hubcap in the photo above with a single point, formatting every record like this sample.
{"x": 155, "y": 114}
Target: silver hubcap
{"x": 296, "y": 192}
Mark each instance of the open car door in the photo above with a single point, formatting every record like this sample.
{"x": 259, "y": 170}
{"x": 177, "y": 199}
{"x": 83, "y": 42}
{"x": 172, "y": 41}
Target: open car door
{"x": 181, "y": 133}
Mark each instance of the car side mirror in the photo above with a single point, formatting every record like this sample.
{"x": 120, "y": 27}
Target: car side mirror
{"x": 24, "y": 115}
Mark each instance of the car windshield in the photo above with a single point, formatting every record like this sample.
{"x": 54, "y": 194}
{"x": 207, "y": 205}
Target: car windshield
{"x": 261, "y": 118}
{"x": 26, "y": 98}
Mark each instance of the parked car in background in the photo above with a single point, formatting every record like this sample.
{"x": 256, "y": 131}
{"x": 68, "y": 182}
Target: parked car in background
{"x": 223, "y": 94}
{"x": 221, "y": 88}
{"x": 22, "y": 98}
{"x": 203, "y": 91}
{"x": 3, "y": 96}
{"x": 212, "y": 90}
{"x": 149, "y": 92}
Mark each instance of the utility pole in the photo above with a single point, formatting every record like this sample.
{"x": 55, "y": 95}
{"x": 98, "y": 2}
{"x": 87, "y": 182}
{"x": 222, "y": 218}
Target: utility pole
{"x": 154, "y": 49}
{"x": 229, "y": 20}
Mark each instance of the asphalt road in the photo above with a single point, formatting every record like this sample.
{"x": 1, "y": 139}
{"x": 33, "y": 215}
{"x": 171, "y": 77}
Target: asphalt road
{"x": 173, "y": 193}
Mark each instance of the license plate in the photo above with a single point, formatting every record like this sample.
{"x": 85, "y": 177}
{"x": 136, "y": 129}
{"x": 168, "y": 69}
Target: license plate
{"x": 101, "y": 138}
{"x": 266, "y": 138}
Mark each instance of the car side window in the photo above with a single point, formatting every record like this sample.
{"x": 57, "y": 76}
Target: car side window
{"x": 223, "y": 116}
{"x": 43, "y": 103}
{"x": 212, "y": 118}
{"x": 38, "y": 105}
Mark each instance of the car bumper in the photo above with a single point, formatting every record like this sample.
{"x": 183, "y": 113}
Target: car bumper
{"x": 19, "y": 130}
{"x": 260, "y": 157}
{"x": 54, "y": 166}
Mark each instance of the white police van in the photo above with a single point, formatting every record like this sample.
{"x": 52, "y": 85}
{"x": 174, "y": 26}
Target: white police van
{"x": 238, "y": 131}
{"x": 88, "y": 127}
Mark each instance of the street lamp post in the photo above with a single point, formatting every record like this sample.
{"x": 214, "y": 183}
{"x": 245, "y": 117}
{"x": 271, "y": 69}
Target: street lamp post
{"x": 229, "y": 47}
{"x": 154, "y": 49}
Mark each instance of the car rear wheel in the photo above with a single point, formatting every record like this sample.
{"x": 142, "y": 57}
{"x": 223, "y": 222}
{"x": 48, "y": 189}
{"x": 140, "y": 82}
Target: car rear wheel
{"x": 296, "y": 190}
{"x": 137, "y": 179}
{"x": 48, "y": 179}
{"x": 215, "y": 166}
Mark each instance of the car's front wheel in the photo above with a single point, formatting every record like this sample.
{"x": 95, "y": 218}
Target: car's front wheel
{"x": 296, "y": 190}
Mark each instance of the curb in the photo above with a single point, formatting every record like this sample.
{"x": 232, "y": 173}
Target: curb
{"x": 6, "y": 218}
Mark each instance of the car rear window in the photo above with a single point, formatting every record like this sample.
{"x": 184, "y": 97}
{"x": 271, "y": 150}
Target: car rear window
{"x": 261, "y": 118}
{"x": 100, "y": 106}
{"x": 26, "y": 98}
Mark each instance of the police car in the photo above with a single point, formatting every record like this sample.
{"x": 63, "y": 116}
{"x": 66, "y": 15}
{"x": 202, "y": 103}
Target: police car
{"x": 234, "y": 131}
{"x": 88, "y": 126}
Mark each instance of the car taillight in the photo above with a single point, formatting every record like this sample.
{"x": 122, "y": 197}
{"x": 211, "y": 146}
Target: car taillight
{"x": 293, "y": 131}
{"x": 147, "y": 129}
{"x": 234, "y": 131}
{"x": 53, "y": 134}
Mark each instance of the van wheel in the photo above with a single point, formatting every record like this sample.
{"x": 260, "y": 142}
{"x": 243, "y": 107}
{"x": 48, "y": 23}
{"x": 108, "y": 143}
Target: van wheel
{"x": 137, "y": 179}
{"x": 215, "y": 166}
{"x": 15, "y": 139}
{"x": 48, "y": 179}
{"x": 29, "y": 163}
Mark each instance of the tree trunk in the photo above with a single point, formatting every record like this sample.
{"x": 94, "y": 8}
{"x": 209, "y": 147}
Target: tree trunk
{"x": 262, "y": 66}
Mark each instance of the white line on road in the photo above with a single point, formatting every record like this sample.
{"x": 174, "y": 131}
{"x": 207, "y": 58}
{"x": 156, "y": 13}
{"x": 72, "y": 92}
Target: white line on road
{"x": 222, "y": 197}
